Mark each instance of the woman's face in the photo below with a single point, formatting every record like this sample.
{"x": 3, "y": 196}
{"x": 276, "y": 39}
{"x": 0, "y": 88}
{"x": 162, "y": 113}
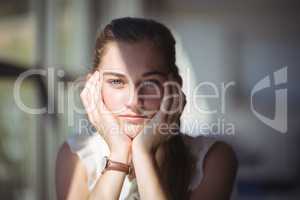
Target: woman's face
{"x": 133, "y": 78}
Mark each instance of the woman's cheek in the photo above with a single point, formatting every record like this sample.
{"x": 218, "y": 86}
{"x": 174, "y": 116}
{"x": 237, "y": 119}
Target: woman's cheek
{"x": 152, "y": 105}
{"x": 114, "y": 100}
{"x": 154, "y": 101}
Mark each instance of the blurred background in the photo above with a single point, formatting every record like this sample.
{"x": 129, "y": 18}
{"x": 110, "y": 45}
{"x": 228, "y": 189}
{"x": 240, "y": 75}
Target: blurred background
{"x": 220, "y": 41}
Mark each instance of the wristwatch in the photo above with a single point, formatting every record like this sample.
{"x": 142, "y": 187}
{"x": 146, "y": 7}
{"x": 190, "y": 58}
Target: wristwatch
{"x": 108, "y": 164}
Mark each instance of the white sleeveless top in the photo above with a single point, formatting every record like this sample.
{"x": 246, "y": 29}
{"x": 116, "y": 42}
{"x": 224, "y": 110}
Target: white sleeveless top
{"x": 91, "y": 148}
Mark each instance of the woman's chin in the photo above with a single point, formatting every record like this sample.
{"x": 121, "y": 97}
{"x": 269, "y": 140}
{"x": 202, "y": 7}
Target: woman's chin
{"x": 132, "y": 130}
{"x": 131, "y": 135}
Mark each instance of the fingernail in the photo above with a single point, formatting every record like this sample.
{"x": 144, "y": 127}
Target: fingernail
{"x": 96, "y": 74}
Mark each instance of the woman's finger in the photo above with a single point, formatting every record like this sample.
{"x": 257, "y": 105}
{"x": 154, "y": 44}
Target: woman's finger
{"x": 95, "y": 91}
{"x": 101, "y": 106}
{"x": 96, "y": 113}
{"x": 175, "y": 102}
{"x": 105, "y": 116}
{"x": 175, "y": 97}
{"x": 166, "y": 101}
{"x": 173, "y": 111}
{"x": 177, "y": 106}
{"x": 88, "y": 94}
{"x": 84, "y": 97}
{"x": 85, "y": 104}
{"x": 89, "y": 100}
{"x": 179, "y": 103}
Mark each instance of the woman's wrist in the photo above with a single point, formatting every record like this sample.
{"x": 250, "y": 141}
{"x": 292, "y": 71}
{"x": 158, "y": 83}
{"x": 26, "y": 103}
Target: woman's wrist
{"x": 120, "y": 156}
{"x": 138, "y": 149}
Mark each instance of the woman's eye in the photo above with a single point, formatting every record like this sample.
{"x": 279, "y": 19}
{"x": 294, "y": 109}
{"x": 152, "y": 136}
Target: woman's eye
{"x": 117, "y": 83}
{"x": 150, "y": 86}
{"x": 151, "y": 83}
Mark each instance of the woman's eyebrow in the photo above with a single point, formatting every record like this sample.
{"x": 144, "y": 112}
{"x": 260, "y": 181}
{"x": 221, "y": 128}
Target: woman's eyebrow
{"x": 154, "y": 73}
{"x": 114, "y": 74}
{"x": 150, "y": 73}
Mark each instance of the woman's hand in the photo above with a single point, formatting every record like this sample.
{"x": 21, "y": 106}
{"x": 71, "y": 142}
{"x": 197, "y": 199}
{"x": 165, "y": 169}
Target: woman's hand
{"x": 101, "y": 118}
{"x": 165, "y": 122}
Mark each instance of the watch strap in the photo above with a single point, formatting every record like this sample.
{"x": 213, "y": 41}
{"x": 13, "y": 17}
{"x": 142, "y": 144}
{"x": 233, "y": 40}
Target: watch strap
{"x": 117, "y": 166}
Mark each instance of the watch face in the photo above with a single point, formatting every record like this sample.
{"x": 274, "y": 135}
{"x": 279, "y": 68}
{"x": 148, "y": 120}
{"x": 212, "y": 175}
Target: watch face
{"x": 103, "y": 163}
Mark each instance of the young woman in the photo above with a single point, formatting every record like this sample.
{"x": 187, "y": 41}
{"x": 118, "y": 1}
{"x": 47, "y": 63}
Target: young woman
{"x": 134, "y": 100}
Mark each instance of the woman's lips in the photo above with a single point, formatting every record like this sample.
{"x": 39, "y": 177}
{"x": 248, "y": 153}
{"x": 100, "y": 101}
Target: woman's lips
{"x": 136, "y": 119}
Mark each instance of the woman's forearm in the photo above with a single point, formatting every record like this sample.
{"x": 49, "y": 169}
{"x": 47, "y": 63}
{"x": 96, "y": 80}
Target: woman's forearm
{"x": 147, "y": 175}
{"x": 110, "y": 183}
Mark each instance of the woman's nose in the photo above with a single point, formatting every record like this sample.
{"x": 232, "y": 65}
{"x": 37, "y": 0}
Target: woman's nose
{"x": 135, "y": 102}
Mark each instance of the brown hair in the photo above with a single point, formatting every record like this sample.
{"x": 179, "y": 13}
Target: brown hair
{"x": 178, "y": 162}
